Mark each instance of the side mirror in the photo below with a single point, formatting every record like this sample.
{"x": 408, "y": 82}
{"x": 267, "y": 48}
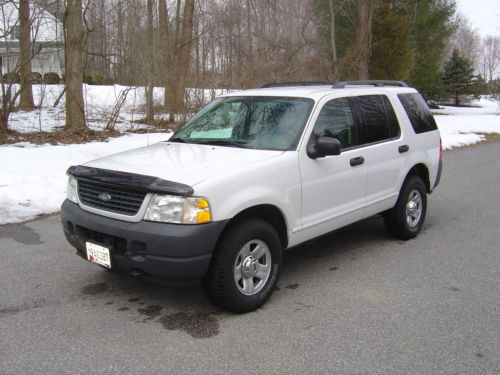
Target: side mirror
{"x": 323, "y": 146}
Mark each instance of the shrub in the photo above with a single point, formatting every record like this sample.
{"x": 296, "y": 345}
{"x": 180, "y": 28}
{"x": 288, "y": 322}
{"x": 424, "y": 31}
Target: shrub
{"x": 89, "y": 80}
{"x": 51, "y": 78}
{"x": 99, "y": 79}
{"x": 36, "y": 77}
{"x": 11, "y": 77}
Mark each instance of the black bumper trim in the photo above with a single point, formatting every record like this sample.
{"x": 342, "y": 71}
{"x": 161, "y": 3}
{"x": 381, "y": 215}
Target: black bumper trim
{"x": 438, "y": 177}
{"x": 158, "y": 251}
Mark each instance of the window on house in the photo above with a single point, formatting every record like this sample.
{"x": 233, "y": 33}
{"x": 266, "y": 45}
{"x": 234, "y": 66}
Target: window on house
{"x": 15, "y": 33}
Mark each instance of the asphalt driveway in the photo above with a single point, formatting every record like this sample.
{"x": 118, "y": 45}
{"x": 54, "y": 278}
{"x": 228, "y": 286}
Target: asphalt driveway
{"x": 354, "y": 301}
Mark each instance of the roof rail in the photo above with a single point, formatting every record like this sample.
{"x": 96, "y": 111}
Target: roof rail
{"x": 297, "y": 83}
{"x": 376, "y": 83}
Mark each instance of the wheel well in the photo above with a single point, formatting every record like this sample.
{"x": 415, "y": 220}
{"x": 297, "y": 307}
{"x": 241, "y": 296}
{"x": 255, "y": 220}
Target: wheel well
{"x": 420, "y": 170}
{"x": 269, "y": 213}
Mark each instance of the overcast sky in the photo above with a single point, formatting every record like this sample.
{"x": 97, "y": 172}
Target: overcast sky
{"x": 483, "y": 14}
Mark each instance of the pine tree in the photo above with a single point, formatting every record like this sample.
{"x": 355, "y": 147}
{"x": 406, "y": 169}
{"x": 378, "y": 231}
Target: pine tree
{"x": 432, "y": 24}
{"x": 458, "y": 77}
{"x": 391, "y": 53}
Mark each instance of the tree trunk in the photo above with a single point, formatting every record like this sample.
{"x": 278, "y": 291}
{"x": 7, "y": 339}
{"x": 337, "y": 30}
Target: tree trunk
{"x": 185, "y": 51}
{"x": 181, "y": 57}
{"x": 26, "y": 96}
{"x": 150, "y": 65}
{"x": 165, "y": 52}
{"x": 332, "y": 39}
{"x": 362, "y": 38}
{"x": 75, "y": 109}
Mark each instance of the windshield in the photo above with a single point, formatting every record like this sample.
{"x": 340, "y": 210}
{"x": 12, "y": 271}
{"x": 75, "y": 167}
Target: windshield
{"x": 266, "y": 123}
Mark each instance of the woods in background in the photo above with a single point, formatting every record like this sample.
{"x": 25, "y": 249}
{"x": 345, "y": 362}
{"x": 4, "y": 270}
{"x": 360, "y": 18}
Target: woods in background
{"x": 177, "y": 44}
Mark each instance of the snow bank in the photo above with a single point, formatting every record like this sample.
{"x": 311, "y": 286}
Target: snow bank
{"x": 33, "y": 180}
{"x": 459, "y": 126}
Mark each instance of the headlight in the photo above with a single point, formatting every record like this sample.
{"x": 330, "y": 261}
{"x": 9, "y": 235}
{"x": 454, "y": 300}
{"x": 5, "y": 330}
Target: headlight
{"x": 178, "y": 210}
{"x": 72, "y": 193}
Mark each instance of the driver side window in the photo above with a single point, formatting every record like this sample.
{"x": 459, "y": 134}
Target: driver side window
{"x": 336, "y": 120}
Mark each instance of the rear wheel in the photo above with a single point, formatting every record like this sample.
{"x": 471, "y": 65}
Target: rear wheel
{"x": 245, "y": 267}
{"x": 405, "y": 220}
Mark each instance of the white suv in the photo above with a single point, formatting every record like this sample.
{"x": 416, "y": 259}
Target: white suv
{"x": 254, "y": 173}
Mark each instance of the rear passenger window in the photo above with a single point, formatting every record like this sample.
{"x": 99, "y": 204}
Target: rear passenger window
{"x": 420, "y": 117}
{"x": 379, "y": 120}
{"x": 336, "y": 120}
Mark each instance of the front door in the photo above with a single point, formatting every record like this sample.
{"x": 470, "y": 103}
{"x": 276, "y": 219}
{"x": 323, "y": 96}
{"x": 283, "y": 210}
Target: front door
{"x": 333, "y": 187}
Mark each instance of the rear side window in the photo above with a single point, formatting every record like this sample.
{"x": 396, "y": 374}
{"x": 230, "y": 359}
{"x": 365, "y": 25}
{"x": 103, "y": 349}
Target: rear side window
{"x": 336, "y": 120}
{"x": 379, "y": 122}
{"x": 420, "y": 117}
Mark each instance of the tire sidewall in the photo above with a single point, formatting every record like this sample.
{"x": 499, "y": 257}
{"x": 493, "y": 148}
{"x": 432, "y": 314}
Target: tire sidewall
{"x": 414, "y": 183}
{"x": 240, "y": 234}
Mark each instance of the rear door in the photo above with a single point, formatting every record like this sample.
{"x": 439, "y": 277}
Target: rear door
{"x": 383, "y": 149}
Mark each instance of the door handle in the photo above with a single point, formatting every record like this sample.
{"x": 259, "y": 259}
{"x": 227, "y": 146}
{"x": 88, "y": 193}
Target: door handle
{"x": 404, "y": 148}
{"x": 357, "y": 161}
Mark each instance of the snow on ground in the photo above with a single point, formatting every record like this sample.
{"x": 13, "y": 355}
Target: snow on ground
{"x": 33, "y": 181}
{"x": 459, "y": 126}
{"x": 99, "y": 104}
{"x": 33, "y": 178}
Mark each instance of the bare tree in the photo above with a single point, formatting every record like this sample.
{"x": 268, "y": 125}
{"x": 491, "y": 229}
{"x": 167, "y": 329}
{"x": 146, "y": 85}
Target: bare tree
{"x": 489, "y": 60}
{"x": 25, "y": 55}
{"x": 75, "y": 109}
{"x": 150, "y": 65}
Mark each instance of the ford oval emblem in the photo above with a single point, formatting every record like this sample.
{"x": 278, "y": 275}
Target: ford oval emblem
{"x": 105, "y": 197}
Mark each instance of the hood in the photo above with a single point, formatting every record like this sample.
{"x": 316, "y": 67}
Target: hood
{"x": 185, "y": 163}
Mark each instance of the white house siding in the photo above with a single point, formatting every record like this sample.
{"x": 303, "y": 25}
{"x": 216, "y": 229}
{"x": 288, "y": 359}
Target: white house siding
{"x": 46, "y": 36}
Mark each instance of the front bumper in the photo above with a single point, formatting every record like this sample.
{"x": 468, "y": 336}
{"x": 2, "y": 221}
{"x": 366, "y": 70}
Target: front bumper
{"x": 160, "y": 252}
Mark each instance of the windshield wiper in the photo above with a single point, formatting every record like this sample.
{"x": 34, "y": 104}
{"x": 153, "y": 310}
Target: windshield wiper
{"x": 178, "y": 140}
{"x": 222, "y": 142}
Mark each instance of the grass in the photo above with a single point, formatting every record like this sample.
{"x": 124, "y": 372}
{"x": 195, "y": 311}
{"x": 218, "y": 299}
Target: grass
{"x": 491, "y": 137}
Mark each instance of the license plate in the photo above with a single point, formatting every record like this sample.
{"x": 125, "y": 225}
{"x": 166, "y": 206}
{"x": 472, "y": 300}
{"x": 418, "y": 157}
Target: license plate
{"x": 98, "y": 254}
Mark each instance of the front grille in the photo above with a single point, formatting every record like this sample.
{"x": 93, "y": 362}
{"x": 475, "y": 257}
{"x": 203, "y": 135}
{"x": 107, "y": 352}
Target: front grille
{"x": 122, "y": 200}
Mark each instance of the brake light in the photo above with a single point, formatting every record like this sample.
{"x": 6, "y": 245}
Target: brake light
{"x": 440, "y": 149}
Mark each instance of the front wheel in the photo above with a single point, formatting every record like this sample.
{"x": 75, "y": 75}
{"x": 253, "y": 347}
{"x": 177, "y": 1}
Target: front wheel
{"x": 245, "y": 267}
{"x": 405, "y": 220}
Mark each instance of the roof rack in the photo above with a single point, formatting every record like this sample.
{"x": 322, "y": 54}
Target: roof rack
{"x": 297, "y": 83}
{"x": 376, "y": 83}
{"x": 335, "y": 85}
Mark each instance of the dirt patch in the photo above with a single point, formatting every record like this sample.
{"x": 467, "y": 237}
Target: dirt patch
{"x": 60, "y": 136}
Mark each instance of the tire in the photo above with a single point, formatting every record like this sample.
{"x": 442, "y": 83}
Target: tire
{"x": 245, "y": 266}
{"x": 405, "y": 220}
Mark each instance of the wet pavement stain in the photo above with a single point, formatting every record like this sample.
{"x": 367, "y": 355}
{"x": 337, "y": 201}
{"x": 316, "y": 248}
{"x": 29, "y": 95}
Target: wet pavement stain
{"x": 94, "y": 289}
{"x": 20, "y": 233}
{"x": 333, "y": 268}
{"x": 454, "y": 289}
{"x": 151, "y": 312}
{"x": 12, "y": 310}
{"x": 292, "y": 286}
{"x": 479, "y": 355}
{"x": 109, "y": 303}
{"x": 123, "y": 309}
{"x": 199, "y": 325}
{"x": 135, "y": 299}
